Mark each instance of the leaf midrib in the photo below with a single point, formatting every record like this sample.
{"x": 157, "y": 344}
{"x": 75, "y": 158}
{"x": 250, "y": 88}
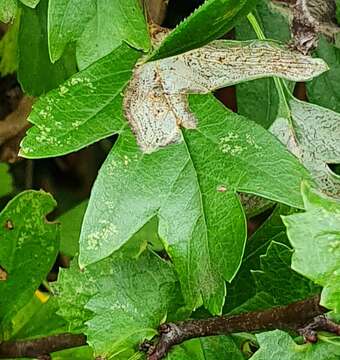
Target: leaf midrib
{"x": 201, "y": 205}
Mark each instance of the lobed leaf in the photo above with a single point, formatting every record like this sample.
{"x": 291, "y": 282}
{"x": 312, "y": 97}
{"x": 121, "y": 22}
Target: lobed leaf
{"x": 121, "y": 322}
{"x": 312, "y": 134}
{"x": 243, "y": 287}
{"x": 206, "y": 349}
{"x": 83, "y": 110}
{"x": 315, "y": 237}
{"x": 8, "y": 10}
{"x": 126, "y": 300}
{"x": 98, "y": 27}
{"x": 36, "y": 73}
{"x": 141, "y": 189}
{"x": 29, "y": 247}
{"x": 279, "y": 345}
{"x": 277, "y": 279}
{"x": 200, "y": 218}
{"x": 75, "y": 284}
{"x": 245, "y": 151}
{"x": 67, "y": 20}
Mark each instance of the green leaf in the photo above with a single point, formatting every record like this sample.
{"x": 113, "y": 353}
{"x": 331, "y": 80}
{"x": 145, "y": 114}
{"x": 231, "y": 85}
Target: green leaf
{"x": 138, "y": 183}
{"x": 210, "y": 21}
{"x": 207, "y": 349}
{"x": 312, "y": 135}
{"x": 71, "y": 223}
{"x": 37, "y": 319}
{"x": 67, "y": 20}
{"x": 6, "y": 186}
{"x": 260, "y": 301}
{"x": 265, "y": 278}
{"x": 325, "y": 89}
{"x": 243, "y": 287}
{"x": 113, "y": 22}
{"x": 315, "y": 237}
{"x": 245, "y": 152}
{"x": 278, "y": 279}
{"x": 258, "y": 100}
{"x": 85, "y": 109}
{"x": 8, "y": 10}
{"x": 200, "y": 217}
{"x": 70, "y": 228}
{"x": 36, "y": 73}
{"x": 98, "y": 27}
{"x": 147, "y": 236}
{"x": 123, "y": 321}
{"x": 116, "y": 292}
{"x": 279, "y": 345}
{"x": 9, "y": 49}
{"x": 78, "y": 353}
{"x": 30, "y": 3}
{"x": 75, "y": 284}
{"x": 29, "y": 246}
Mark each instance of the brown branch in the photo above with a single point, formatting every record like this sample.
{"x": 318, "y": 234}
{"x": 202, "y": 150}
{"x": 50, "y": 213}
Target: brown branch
{"x": 37, "y": 348}
{"x": 13, "y": 129}
{"x": 291, "y": 317}
{"x": 304, "y": 317}
{"x": 16, "y": 121}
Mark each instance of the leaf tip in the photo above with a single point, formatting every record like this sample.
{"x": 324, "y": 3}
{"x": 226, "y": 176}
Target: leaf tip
{"x": 24, "y": 151}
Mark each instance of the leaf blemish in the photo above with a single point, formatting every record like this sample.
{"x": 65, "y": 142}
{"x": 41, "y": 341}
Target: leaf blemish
{"x": 3, "y": 274}
{"x": 9, "y": 225}
{"x": 62, "y": 90}
{"x": 106, "y": 232}
{"x": 229, "y": 144}
{"x": 335, "y": 245}
{"x": 127, "y": 160}
{"x": 221, "y": 189}
{"x": 251, "y": 141}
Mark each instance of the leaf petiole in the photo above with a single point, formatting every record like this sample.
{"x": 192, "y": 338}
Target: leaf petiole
{"x": 281, "y": 87}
